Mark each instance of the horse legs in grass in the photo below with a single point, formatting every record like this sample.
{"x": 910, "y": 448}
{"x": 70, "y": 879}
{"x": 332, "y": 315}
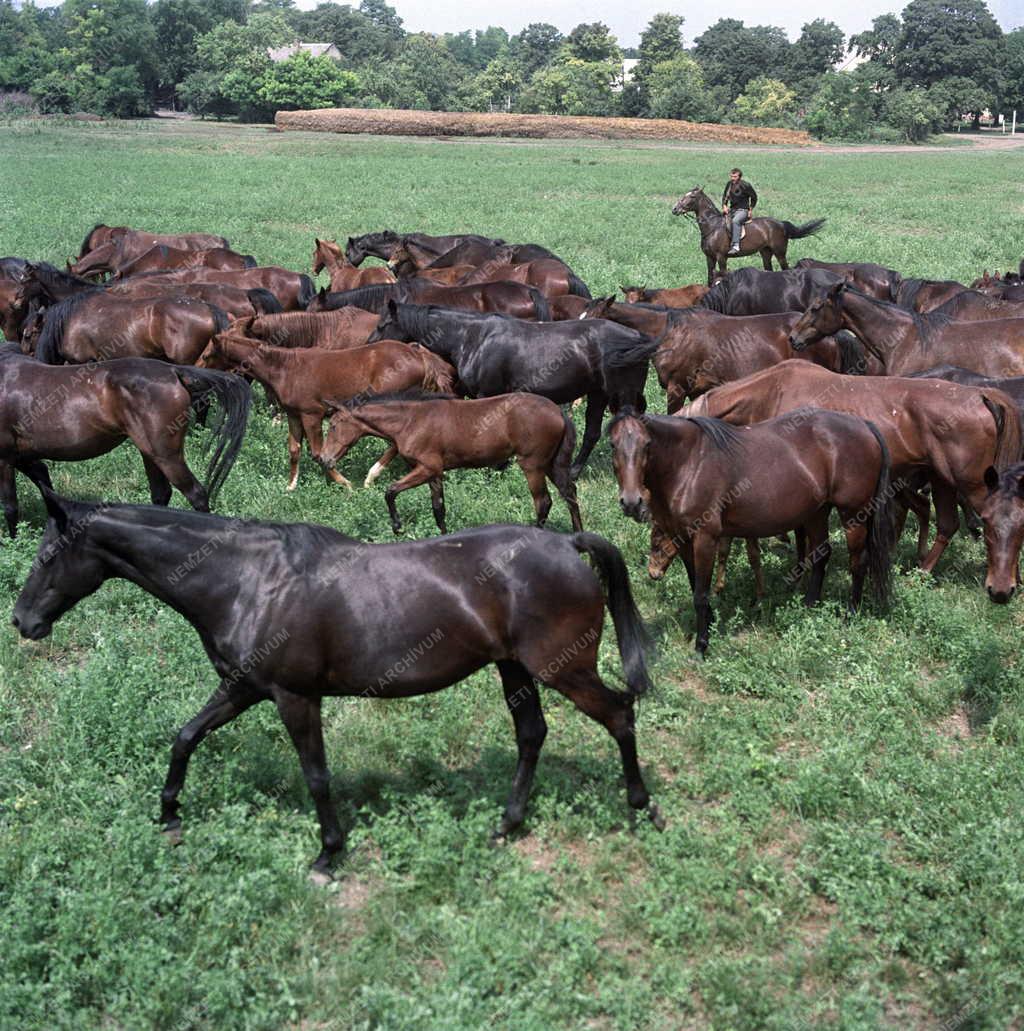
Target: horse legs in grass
{"x": 295, "y": 436}
{"x": 227, "y": 702}
{"x": 711, "y": 267}
{"x": 159, "y": 485}
{"x": 614, "y": 709}
{"x": 704, "y": 550}
{"x": 417, "y": 475}
{"x": 437, "y": 502}
{"x": 313, "y": 429}
{"x": 567, "y": 489}
{"x": 9, "y": 497}
{"x": 856, "y": 544}
{"x": 591, "y": 431}
{"x": 947, "y": 522}
{"x": 820, "y": 552}
{"x": 663, "y": 551}
{"x": 538, "y": 484}
{"x": 380, "y": 465}
{"x": 301, "y": 717}
{"x": 523, "y": 702}
{"x": 766, "y": 258}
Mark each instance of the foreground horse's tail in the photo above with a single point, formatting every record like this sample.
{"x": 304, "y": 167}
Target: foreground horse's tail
{"x": 578, "y": 288}
{"x": 563, "y": 456}
{"x": 1007, "y": 418}
{"x": 634, "y": 640}
{"x": 540, "y": 305}
{"x": 799, "y": 232}
{"x": 882, "y": 523}
{"x": 234, "y": 396}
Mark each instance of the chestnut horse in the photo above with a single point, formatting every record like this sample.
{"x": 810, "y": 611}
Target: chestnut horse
{"x": 700, "y": 480}
{"x": 116, "y": 252}
{"x": 306, "y": 380}
{"x": 72, "y": 413}
{"x": 345, "y": 618}
{"x": 294, "y": 290}
{"x": 331, "y": 330}
{"x": 953, "y": 432}
{"x": 670, "y": 297}
{"x": 765, "y": 236}
{"x": 343, "y": 274}
{"x": 435, "y": 432}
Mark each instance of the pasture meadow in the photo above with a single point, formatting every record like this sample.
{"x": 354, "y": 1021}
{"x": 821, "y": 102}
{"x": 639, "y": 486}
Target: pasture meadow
{"x": 843, "y": 796}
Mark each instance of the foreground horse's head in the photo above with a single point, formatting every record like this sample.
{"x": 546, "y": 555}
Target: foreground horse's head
{"x": 359, "y": 247}
{"x": 690, "y": 201}
{"x": 823, "y": 317}
{"x": 388, "y": 328}
{"x": 598, "y": 308}
{"x": 631, "y": 442}
{"x": 65, "y": 570}
{"x": 1002, "y": 514}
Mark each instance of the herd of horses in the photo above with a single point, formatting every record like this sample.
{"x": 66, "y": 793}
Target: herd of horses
{"x": 790, "y": 394}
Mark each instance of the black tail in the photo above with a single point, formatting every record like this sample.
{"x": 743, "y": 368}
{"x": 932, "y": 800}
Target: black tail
{"x": 627, "y": 354}
{"x": 578, "y": 288}
{"x": 634, "y": 640}
{"x": 540, "y": 305}
{"x": 250, "y": 261}
{"x": 234, "y": 396}
{"x": 882, "y": 524}
{"x": 799, "y": 232}
{"x": 853, "y": 359}
{"x": 307, "y": 291}
{"x": 263, "y": 301}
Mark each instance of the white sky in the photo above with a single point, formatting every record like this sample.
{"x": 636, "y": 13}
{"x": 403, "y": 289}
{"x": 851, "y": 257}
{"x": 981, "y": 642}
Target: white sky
{"x": 627, "y": 20}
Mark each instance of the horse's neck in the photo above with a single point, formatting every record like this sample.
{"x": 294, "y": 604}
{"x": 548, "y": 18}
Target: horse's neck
{"x": 884, "y": 326}
{"x": 668, "y": 436}
{"x": 707, "y": 213}
{"x": 384, "y": 420}
{"x": 432, "y": 334}
{"x": 263, "y": 362}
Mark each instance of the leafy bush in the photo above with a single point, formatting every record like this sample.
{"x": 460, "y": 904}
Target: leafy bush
{"x": 765, "y": 101}
{"x": 304, "y": 81}
{"x": 913, "y": 112}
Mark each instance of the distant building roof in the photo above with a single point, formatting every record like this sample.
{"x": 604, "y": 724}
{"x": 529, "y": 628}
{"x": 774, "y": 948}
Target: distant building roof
{"x": 849, "y": 62}
{"x": 314, "y": 49}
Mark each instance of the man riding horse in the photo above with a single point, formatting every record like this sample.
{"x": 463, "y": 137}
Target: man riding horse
{"x": 738, "y": 200}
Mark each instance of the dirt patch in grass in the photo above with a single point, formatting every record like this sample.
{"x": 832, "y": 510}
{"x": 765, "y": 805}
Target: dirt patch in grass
{"x": 955, "y": 728}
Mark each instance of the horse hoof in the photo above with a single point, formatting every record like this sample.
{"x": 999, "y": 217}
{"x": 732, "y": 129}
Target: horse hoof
{"x": 321, "y": 878}
{"x": 654, "y": 815}
{"x": 172, "y": 833}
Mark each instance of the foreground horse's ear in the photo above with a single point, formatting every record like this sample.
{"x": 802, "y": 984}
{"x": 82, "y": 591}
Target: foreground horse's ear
{"x": 991, "y": 478}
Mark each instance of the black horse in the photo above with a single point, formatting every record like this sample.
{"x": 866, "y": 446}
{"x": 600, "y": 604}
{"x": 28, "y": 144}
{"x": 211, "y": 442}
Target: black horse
{"x": 752, "y": 291}
{"x": 384, "y": 244}
{"x": 562, "y": 361}
{"x": 293, "y": 613}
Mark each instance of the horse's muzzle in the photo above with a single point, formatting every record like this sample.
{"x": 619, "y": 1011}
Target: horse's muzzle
{"x": 32, "y": 629}
{"x": 635, "y": 508}
{"x": 1000, "y": 597}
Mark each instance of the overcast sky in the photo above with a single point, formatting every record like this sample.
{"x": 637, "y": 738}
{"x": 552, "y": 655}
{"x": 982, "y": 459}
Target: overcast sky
{"x": 627, "y": 20}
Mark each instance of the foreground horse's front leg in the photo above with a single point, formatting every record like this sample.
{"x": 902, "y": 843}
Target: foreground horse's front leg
{"x": 380, "y": 465}
{"x": 523, "y": 702}
{"x": 159, "y": 485}
{"x": 301, "y": 717}
{"x": 596, "y": 403}
{"x": 227, "y": 702}
{"x": 417, "y": 475}
{"x": 295, "y": 436}
{"x": 437, "y": 502}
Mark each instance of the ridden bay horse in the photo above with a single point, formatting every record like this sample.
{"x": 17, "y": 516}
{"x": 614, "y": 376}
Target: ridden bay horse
{"x": 343, "y": 274}
{"x": 95, "y": 326}
{"x": 330, "y": 615}
{"x": 767, "y": 236}
{"x": 435, "y": 432}
{"x": 953, "y": 432}
{"x": 1002, "y": 512}
{"x": 305, "y": 381}
{"x": 699, "y": 480}
{"x": 161, "y": 258}
{"x": 562, "y": 361}
{"x": 70, "y": 413}
{"x": 907, "y": 341}
{"x": 672, "y": 297}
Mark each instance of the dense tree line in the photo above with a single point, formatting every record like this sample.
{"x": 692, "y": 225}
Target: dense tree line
{"x": 927, "y": 68}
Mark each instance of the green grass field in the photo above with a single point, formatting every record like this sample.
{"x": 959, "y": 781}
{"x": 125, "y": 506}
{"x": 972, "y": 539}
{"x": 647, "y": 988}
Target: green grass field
{"x": 844, "y": 843}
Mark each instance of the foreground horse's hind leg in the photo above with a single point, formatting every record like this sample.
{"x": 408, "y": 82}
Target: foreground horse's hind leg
{"x": 766, "y": 258}
{"x": 856, "y": 545}
{"x": 159, "y": 485}
{"x": 591, "y": 431}
{"x": 437, "y": 502}
{"x": 538, "y": 484}
{"x": 9, "y": 497}
{"x": 614, "y": 709}
{"x": 301, "y": 717}
{"x": 705, "y": 547}
{"x": 820, "y": 552}
{"x": 523, "y": 702}
{"x": 227, "y": 702}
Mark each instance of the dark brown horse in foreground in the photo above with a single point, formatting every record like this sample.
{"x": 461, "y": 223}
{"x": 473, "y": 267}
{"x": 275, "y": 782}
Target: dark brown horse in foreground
{"x": 700, "y": 480}
{"x": 952, "y": 432}
{"x": 438, "y": 432}
{"x": 305, "y": 381}
{"x": 293, "y": 613}
{"x": 765, "y": 236}
{"x": 69, "y": 413}
{"x": 1002, "y": 512}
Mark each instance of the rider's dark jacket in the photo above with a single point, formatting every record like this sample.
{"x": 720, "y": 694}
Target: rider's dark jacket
{"x": 739, "y": 195}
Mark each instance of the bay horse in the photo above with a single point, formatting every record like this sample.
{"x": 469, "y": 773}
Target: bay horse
{"x": 953, "y": 432}
{"x": 515, "y": 299}
{"x": 768, "y": 237}
{"x": 331, "y": 330}
{"x": 567, "y": 306}
{"x": 404, "y": 266}
{"x": 383, "y": 244}
{"x": 305, "y": 381}
{"x": 102, "y": 234}
{"x": 752, "y": 291}
{"x": 293, "y": 290}
{"x": 71, "y": 413}
{"x": 1013, "y": 386}
{"x": 700, "y": 479}
{"x": 671, "y": 297}
{"x": 161, "y": 258}
{"x": 553, "y": 278}
{"x": 293, "y": 613}
{"x": 496, "y": 354}
{"x": 925, "y": 295}
{"x": 343, "y": 274}
{"x": 435, "y": 432}
{"x": 12, "y": 312}
{"x": 94, "y": 326}
{"x": 1002, "y": 512}
{"x": 907, "y": 341}
{"x": 874, "y": 280}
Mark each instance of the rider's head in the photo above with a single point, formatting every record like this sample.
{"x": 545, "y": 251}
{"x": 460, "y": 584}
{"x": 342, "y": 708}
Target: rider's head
{"x": 736, "y": 175}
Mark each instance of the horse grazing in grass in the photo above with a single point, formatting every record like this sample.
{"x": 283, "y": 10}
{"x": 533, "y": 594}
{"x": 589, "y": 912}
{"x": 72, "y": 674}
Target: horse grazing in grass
{"x": 72, "y": 413}
{"x": 907, "y": 341}
{"x": 162, "y": 258}
{"x": 293, "y": 613}
{"x": 700, "y": 480}
{"x": 765, "y": 236}
{"x": 562, "y": 361}
{"x": 344, "y": 275}
{"x": 672, "y": 297}
{"x": 1002, "y": 512}
{"x": 952, "y": 432}
{"x": 306, "y": 381}
{"x": 435, "y": 432}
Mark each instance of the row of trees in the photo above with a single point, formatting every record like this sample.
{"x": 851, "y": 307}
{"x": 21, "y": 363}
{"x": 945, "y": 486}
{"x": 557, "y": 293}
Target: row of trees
{"x": 928, "y": 67}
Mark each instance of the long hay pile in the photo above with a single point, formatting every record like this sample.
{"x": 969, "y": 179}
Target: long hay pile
{"x": 464, "y": 123}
